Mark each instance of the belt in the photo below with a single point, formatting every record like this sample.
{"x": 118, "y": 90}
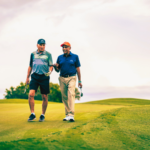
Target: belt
{"x": 38, "y": 74}
{"x": 66, "y": 76}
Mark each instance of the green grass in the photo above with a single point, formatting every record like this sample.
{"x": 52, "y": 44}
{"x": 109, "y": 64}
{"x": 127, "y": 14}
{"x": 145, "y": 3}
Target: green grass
{"x": 122, "y": 101}
{"x": 113, "y": 124}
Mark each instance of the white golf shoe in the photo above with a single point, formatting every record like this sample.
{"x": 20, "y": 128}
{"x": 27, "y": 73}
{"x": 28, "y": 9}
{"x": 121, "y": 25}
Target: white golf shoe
{"x": 71, "y": 119}
{"x": 66, "y": 118}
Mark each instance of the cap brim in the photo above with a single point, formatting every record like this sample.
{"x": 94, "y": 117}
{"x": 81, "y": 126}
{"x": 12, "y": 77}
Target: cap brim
{"x": 64, "y": 44}
{"x": 42, "y": 43}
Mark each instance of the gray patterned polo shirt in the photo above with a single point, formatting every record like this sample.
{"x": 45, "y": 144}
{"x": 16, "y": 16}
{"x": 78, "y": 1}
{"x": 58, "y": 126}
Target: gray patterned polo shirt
{"x": 40, "y": 63}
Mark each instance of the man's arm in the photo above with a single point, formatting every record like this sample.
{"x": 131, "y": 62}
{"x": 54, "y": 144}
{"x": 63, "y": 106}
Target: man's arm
{"x": 79, "y": 77}
{"x": 29, "y": 69}
{"x": 51, "y": 68}
{"x": 28, "y": 74}
{"x": 50, "y": 71}
{"x": 50, "y": 64}
{"x": 56, "y": 67}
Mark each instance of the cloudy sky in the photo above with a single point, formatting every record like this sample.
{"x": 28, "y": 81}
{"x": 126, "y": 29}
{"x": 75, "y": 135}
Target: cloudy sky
{"x": 111, "y": 37}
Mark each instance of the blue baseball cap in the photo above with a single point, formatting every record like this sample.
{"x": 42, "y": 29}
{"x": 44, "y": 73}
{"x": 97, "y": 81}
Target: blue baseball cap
{"x": 41, "y": 41}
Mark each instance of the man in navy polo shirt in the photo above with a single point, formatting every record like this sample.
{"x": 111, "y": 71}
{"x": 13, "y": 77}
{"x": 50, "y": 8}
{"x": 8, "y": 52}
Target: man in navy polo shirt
{"x": 41, "y": 67}
{"x": 69, "y": 65}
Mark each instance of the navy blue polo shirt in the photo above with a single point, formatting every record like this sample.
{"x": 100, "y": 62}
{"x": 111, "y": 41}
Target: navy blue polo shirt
{"x": 68, "y": 64}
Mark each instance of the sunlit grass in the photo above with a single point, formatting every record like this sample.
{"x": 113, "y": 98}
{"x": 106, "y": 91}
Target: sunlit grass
{"x": 110, "y": 124}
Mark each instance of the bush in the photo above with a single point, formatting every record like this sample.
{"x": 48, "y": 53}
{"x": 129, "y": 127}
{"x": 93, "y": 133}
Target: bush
{"x": 55, "y": 93}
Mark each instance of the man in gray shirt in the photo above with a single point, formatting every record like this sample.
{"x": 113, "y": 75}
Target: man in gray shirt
{"x": 41, "y": 66}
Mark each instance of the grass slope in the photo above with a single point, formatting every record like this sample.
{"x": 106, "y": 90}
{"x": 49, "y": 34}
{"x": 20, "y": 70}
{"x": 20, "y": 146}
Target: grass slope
{"x": 113, "y": 124}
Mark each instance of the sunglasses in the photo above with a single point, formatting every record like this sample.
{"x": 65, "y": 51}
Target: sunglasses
{"x": 65, "y": 46}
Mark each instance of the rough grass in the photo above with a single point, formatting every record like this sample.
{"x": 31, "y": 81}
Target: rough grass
{"x": 114, "y": 124}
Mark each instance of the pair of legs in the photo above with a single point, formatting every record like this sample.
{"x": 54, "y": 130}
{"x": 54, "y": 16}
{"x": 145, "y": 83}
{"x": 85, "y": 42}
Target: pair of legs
{"x": 67, "y": 86}
{"x": 31, "y": 101}
{"x": 36, "y": 81}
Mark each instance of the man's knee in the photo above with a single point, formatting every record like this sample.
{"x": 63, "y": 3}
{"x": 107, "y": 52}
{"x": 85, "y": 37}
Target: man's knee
{"x": 71, "y": 91}
{"x": 31, "y": 95}
{"x": 64, "y": 97}
{"x": 44, "y": 97}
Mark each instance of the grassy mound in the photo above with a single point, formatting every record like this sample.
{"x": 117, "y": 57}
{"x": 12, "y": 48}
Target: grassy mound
{"x": 122, "y": 101}
{"x": 113, "y": 124}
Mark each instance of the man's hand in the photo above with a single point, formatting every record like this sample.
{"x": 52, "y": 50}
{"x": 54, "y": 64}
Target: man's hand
{"x": 48, "y": 74}
{"x": 80, "y": 85}
{"x": 27, "y": 81}
{"x": 56, "y": 67}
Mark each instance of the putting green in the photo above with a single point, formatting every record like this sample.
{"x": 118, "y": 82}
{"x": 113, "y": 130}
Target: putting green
{"x": 110, "y": 124}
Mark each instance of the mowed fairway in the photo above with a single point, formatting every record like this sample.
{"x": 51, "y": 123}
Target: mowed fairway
{"x": 114, "y": 124}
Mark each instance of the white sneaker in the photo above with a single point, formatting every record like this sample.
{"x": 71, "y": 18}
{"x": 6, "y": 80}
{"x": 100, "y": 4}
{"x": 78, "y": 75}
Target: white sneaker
{"x": 71, "y": 119}
{"x": 66, "y": 118}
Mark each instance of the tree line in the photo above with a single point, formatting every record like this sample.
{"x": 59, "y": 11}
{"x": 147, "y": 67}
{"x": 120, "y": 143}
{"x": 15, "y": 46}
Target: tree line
{"x": 55, "y": 93}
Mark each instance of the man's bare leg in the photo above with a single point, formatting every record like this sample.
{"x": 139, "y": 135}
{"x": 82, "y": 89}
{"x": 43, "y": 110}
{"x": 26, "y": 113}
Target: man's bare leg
{"x": 31, "y": 104}
{"x": 45, "y": 103}
{"x": 31, "y": 100}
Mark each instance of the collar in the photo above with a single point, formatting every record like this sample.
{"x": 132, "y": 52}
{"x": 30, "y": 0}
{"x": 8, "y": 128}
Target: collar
{"x": 41, "y": 53}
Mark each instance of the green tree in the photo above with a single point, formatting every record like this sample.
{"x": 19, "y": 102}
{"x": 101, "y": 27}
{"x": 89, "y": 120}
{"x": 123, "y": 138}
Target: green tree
{"x": 55, "y": 93}
{"x": 17, "y": 92}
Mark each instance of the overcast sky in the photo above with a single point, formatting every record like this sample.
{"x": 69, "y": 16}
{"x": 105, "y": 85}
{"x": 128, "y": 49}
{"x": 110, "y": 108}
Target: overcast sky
{"x": 111, "y": 37}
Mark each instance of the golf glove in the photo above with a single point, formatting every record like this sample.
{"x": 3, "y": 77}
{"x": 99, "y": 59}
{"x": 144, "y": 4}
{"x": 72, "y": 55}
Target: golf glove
{"x": 47, "y": 74}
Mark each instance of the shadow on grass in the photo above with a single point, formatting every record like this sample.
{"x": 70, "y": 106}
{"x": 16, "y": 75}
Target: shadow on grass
{"x": 30, "y": 143}
{"x": 55, "y": 141}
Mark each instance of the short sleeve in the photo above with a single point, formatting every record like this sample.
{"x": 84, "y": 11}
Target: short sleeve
{"x": 31, "y": 60}
{"x": 50, "y": 61}
{"x": 77, "y": 63}
{"x": 57, "y": 60}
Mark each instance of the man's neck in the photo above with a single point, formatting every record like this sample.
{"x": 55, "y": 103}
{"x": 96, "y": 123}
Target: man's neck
{"x": 67, "y": 54}
{"x": 40, "y": 51}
